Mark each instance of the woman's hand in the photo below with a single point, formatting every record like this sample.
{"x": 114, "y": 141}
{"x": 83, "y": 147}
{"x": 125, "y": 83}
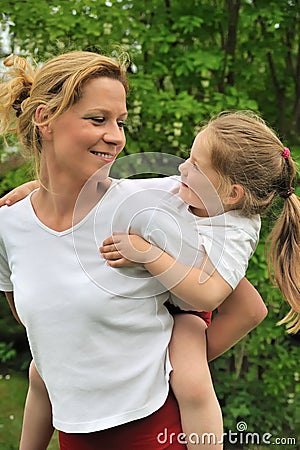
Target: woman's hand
{"x": 123, "y": 249}
{"x": 19, "y": 193}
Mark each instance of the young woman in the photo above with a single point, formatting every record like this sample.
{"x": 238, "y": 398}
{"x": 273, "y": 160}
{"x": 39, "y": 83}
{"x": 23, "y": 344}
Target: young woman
{"x": 101, "y": 353}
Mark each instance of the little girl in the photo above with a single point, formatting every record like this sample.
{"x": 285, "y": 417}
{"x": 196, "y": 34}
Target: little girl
{"x": 247, "y": 167}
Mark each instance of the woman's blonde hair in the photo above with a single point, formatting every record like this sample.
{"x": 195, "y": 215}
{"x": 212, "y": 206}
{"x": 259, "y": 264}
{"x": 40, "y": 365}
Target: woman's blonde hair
{"x": 57, "y": 84}
{"x": 247, "y": 152}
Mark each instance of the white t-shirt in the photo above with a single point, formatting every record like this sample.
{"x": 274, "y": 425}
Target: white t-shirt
{"x": 99, "y": 336}
{"x": 98, "y": 339}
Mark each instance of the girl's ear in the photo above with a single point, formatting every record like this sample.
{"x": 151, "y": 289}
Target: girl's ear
{"x": 41, "y": 115}
{"x": 235, "y": 195}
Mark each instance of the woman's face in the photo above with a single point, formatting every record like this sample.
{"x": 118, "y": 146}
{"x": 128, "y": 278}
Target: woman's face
{"x": 90, "y": 134}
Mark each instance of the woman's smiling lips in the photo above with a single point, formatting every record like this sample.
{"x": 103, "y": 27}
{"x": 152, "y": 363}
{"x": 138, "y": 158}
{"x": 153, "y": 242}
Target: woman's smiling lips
{"x": 104, "y": 156}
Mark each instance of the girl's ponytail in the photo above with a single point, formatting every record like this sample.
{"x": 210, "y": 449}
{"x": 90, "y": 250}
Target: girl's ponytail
{"x": 284, "y": 257}
{"x": 247, "y": 152}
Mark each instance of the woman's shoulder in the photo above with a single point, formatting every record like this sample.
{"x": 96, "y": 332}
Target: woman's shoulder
{"x": 167, "y": 184}
{"x": 13, "y": 212}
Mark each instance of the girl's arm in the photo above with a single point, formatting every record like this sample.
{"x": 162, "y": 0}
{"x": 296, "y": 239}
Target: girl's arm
{"x": 240, "y": 313}
{"x": 18, "y": 193}
{"x": 204, "y": 289}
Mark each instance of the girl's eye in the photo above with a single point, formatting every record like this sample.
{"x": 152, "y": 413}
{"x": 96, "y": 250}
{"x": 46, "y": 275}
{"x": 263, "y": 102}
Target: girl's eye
{"x": 121, "y": 124}
{"x": 195, "y": 166}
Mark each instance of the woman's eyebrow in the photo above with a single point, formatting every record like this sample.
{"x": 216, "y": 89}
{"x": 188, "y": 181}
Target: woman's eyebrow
{"x": 105, "y": 111}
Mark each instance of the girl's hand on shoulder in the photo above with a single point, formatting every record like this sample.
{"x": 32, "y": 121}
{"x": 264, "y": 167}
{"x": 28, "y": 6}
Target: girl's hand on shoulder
{"x": 122, "y": 249}
{"x": 19, "y": 193}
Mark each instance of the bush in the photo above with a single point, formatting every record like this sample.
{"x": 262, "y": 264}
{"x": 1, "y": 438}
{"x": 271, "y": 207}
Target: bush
{"x": 16, "y": 177}
{"x": 256, "y": 381}
{"x": 14, "y": 350}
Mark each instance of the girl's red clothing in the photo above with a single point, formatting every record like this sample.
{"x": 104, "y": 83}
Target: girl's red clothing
{"x": 205, "y": 315}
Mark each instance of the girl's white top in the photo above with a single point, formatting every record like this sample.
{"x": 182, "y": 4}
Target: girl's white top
{"x": 99, "y": 336}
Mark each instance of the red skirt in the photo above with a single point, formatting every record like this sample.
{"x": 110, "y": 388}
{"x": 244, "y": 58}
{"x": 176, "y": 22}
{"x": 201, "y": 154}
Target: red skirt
{"x": 161, "y": 430}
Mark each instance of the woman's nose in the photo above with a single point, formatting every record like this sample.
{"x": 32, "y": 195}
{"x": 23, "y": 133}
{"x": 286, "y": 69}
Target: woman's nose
{"x": 114, "y": 135}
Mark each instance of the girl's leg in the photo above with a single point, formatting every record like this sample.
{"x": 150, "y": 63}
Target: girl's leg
{"x": 37, "y": 421}
{"x": 159, "y": 431}
{"x": 191, "y": 382}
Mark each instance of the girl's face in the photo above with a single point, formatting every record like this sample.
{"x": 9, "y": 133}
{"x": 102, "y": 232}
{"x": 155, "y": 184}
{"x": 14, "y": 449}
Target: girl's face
{"x": 90, "y": 134}
{"x": 199, "y": 181}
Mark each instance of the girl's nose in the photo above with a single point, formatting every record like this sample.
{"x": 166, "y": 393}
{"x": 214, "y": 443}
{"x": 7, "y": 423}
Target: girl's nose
{"x": 183, "y": 168}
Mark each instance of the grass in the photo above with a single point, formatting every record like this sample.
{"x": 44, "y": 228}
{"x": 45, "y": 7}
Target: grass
{"x": 13, "y": 388}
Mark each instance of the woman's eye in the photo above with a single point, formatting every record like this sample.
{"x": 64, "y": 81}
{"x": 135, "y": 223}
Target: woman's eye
{"x": 101, "y": 120}
{"x": 98, "y": 119}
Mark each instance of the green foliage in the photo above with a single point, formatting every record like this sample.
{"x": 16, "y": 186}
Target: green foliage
{"x": 15, "y": 177}
{"x": 256, "y": 381}
{"x": 189, "y": 59}
{"x": 7, "y": 351}
{"x": 14, "y": 350}
{"x": 13, "y": 388}
{"x": 12, "y": 391}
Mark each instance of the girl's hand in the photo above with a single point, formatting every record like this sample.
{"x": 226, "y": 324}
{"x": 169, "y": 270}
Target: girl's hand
{"x": 123, "y": 249}
{"x": 19, "y": 193}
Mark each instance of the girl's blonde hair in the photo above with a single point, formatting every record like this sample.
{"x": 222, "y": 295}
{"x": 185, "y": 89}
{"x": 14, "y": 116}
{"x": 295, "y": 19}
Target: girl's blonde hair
{"x": 57, "y": 84}
{"x": 247, "y": 152}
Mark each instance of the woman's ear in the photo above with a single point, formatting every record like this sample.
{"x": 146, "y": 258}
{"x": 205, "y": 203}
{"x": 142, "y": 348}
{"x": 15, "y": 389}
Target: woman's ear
{"x": 42, "y": 115}
{"x": 235, "y": 195}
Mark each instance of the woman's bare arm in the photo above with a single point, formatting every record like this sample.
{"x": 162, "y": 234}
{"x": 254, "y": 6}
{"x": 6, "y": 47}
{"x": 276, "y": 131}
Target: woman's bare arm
{"x": 240, "y": 313}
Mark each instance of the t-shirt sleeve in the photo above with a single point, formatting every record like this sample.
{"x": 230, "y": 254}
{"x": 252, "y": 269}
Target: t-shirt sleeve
{"x": 230, "y": 252}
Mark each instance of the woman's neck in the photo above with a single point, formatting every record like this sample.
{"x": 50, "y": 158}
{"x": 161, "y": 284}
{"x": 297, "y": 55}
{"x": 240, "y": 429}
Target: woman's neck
{"x": 61, "y": 205}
